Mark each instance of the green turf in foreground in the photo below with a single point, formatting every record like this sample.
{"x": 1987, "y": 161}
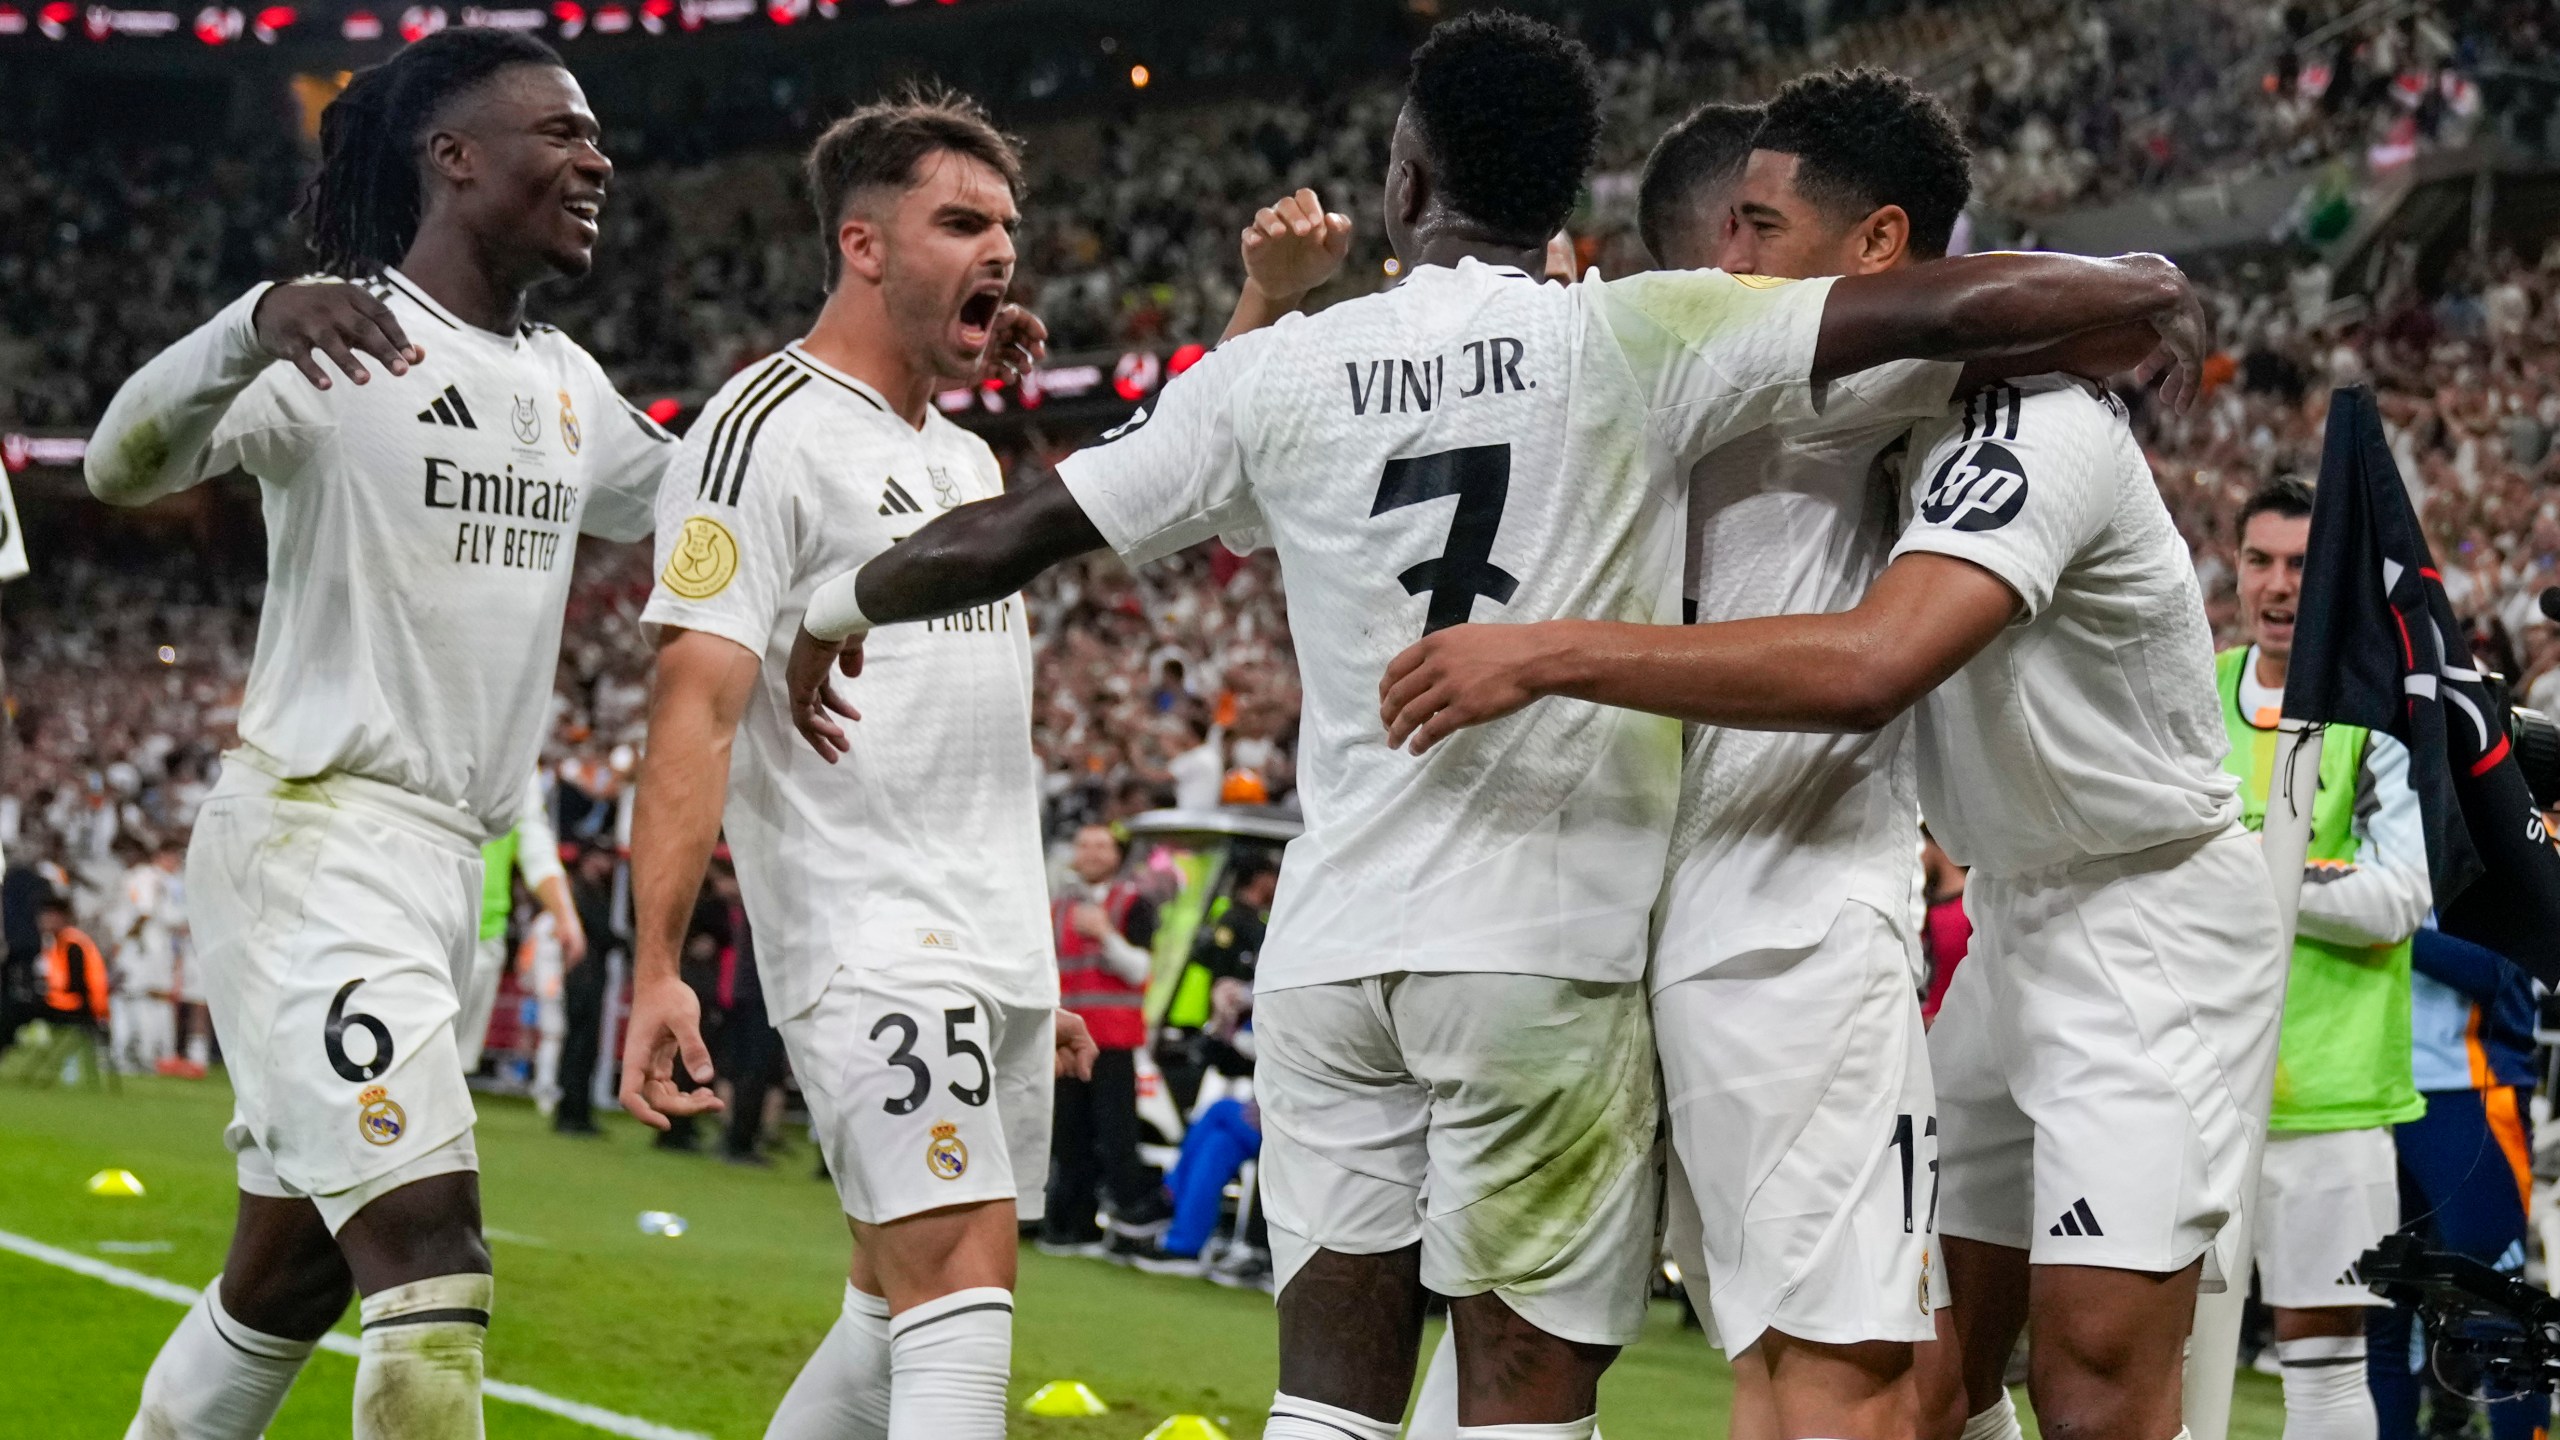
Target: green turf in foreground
{"x": 703, "y": 1332}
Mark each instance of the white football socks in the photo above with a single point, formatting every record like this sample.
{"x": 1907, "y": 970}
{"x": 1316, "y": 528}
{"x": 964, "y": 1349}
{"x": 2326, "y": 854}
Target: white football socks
{"x": 2325, "y": 1396}
{"x": 949, "y": 1359}
{"x": 1296, "y": 1419}
{"x": 1582, "y": 1429}
{"x": 2000, "y": 1422}
{"x": 419, "y": 1367}
{"x": 215, "y": 1378}
{"x": 843, "y": 1392}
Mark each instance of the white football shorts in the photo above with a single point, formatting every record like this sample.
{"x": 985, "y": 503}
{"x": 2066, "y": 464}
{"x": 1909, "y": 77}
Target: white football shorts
{"x": 1506, "y": 1122}
{"x": 2324, "y": 1198}
{"x": 2105, "y": 1055}
{"x": 924, "y": 1093}
{"x": 334, "y": 921}
{"x": 1796, "y": 1090}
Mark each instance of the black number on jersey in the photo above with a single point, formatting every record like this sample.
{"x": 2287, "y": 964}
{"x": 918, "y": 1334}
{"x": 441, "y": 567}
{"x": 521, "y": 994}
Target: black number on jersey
{"x": 904, "y": 1057}
{"x": 1480, "y": 476}
{"x": 1902, "y": 1141}
{"x": 333, "y": 1038}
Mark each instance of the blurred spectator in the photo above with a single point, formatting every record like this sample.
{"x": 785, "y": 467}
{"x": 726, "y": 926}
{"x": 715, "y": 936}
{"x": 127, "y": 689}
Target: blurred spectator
{"x": 582, "y": 990}
{"x": 750, "y": 1057}
{"x": 1190, "y": 1042}
{"x": 1103, "y": 926}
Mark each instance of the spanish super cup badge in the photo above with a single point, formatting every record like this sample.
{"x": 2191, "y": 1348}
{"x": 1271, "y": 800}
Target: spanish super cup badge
{"x": 380, "y": 1120}
{"x": 569, "y": 432}
{"x": 945, "y": 1156}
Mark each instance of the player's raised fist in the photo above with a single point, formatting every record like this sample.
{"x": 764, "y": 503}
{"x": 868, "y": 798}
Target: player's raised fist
{"x": 336, "y": 319}
{"x": 814, "y": 701}
{"x": 1294, "y": 246}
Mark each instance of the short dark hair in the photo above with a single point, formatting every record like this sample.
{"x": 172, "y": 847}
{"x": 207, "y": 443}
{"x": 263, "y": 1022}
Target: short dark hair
{"x": 1867, "y": 138}
{"x": 1509, "y": 110}
{"x": 1705, "y": 150}
{"x": 363, "y": 205}
{"x": 2286, "y": 495}
{"x": 883, "y": 143}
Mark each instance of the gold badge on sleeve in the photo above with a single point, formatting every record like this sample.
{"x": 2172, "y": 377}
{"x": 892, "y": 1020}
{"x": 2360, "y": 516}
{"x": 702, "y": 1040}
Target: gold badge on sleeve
{"x": 706, "y": 559}
{"x": 945, "y": 1155}
{"x": 1763, "y": 282}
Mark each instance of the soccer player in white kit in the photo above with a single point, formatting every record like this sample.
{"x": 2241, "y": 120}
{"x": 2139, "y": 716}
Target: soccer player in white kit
{"x": 422, "y": 521}
{"x": 1457, "y": 1069}
{"x": 2103, "y": 1059}
{"x": 899, "y": 899}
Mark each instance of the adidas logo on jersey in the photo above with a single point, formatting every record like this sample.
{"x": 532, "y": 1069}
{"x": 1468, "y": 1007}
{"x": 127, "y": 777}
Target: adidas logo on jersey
{"x": 2352, "y": 1275}
{"x": 2078, "y": 1220}
{"x": 448, "y": 409}
{"x": 896, "y": 501}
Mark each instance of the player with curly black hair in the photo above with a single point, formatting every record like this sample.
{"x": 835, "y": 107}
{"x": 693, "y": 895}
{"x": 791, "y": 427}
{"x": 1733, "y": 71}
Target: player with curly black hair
{"x": 1457, "y": 1068}
{"x": 421, "y": 524}
{"x": 1684, "y": 199}
{"x": 1849, "y": 166}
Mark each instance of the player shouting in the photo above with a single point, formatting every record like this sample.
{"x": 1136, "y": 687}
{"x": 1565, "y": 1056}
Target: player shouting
{"x": 421, "y": 526}
{"x": 2103, "y": 1057}
{"x": 901, "y": 913}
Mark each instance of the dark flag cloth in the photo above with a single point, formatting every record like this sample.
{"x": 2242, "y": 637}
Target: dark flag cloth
{"x": 2376, "y": 644}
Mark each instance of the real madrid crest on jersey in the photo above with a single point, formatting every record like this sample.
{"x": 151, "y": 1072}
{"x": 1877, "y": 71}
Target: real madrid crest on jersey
{"x": 945, "y": 1155}
{"x": 526, "y": 420}
{"x": 705, "y": 561}
{"x": 379, "y": 1118}
{"x": 570, "y": 435}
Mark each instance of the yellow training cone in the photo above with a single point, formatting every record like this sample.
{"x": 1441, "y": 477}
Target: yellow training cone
{"x": 1065, "y": 1399}
{"x": 115, "y": 1182}
{"x": 1187, "y": 1427}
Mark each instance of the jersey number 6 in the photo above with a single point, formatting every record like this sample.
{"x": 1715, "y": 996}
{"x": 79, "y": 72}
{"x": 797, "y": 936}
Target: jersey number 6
{"x": 1480, "y": 476}
{"x": 904, "y": 1057}
{"x": 333, "y": 1038}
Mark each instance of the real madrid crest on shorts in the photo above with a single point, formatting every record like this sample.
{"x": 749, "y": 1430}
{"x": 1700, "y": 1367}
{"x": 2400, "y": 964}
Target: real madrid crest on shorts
{"x": 1924, "y": 1282}
{"x": 380, "y": 1120}
{"x": 570, "y": 435}
{"x": 944, "y": 1155}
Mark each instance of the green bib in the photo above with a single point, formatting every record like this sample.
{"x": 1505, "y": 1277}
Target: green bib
{"x": 498, "y": 883}
{"x": 2342, "y": 1059}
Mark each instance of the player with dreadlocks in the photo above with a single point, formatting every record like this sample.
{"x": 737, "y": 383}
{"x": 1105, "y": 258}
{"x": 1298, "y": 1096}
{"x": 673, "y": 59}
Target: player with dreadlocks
{"x": 421, "y": 521}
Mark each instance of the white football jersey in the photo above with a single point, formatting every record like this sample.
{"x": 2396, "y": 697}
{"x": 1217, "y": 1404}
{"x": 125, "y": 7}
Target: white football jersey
{"x": 920, "y": 848}
{"x": 1778, "y": 829}
{"x": 2090, "y": 727}
{"x": 421, "y": 529}
{"x": 1473, "y": 445}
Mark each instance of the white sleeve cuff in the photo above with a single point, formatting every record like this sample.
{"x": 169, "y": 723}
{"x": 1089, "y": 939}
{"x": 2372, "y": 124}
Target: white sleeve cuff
{"x": 834, "y": 614}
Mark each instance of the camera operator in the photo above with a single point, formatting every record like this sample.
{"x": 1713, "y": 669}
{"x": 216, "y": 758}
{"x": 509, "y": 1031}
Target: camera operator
{"x": 2473, "y": 1025}
{"x": 2330, "y": 1189}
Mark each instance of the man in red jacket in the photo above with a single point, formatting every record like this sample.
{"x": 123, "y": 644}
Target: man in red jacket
{"x": 1103, "y": 928}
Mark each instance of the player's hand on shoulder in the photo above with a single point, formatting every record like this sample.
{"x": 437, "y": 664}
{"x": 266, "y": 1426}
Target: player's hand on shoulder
{"x": 1076, "y": 1050}
{"x": 814, "y": 701}
{"x": 2186, "y": 339}
{"x": 1464, "y": 675}
{"x": 1295, "y": 245}
{"x": 665, "y": 1027}
{"x": 335, "y": 319}
{"x": 1016, "y": 344}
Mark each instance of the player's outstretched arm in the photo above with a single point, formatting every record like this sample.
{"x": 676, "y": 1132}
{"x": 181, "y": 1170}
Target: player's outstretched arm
{"x": 156, "y": 437}
{"x": 1979, "y": 307}
{"x": 976, "y": 554}
{"x": 1924, "y": 617}
{"x": 1292, "y": 246}
{"x": 695, "y": 700}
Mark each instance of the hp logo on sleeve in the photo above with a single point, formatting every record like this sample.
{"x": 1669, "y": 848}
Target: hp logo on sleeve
{"x": 1983, "y": 487}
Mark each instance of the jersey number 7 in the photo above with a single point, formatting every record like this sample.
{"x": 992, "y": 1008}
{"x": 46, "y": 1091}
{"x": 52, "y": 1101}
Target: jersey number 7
{"x": 1480, "y": 476}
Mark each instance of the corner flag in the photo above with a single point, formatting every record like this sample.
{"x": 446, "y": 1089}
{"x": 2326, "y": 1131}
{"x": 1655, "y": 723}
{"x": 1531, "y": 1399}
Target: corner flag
{"x": 2376, "y": 645}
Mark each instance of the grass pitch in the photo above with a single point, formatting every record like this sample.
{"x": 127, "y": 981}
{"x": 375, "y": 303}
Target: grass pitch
{"x": 702, "y": 1333}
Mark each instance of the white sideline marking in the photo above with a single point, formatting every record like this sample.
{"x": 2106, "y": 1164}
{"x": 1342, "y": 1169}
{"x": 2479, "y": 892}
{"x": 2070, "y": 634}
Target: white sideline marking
{"x": 593, "y": 1416}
